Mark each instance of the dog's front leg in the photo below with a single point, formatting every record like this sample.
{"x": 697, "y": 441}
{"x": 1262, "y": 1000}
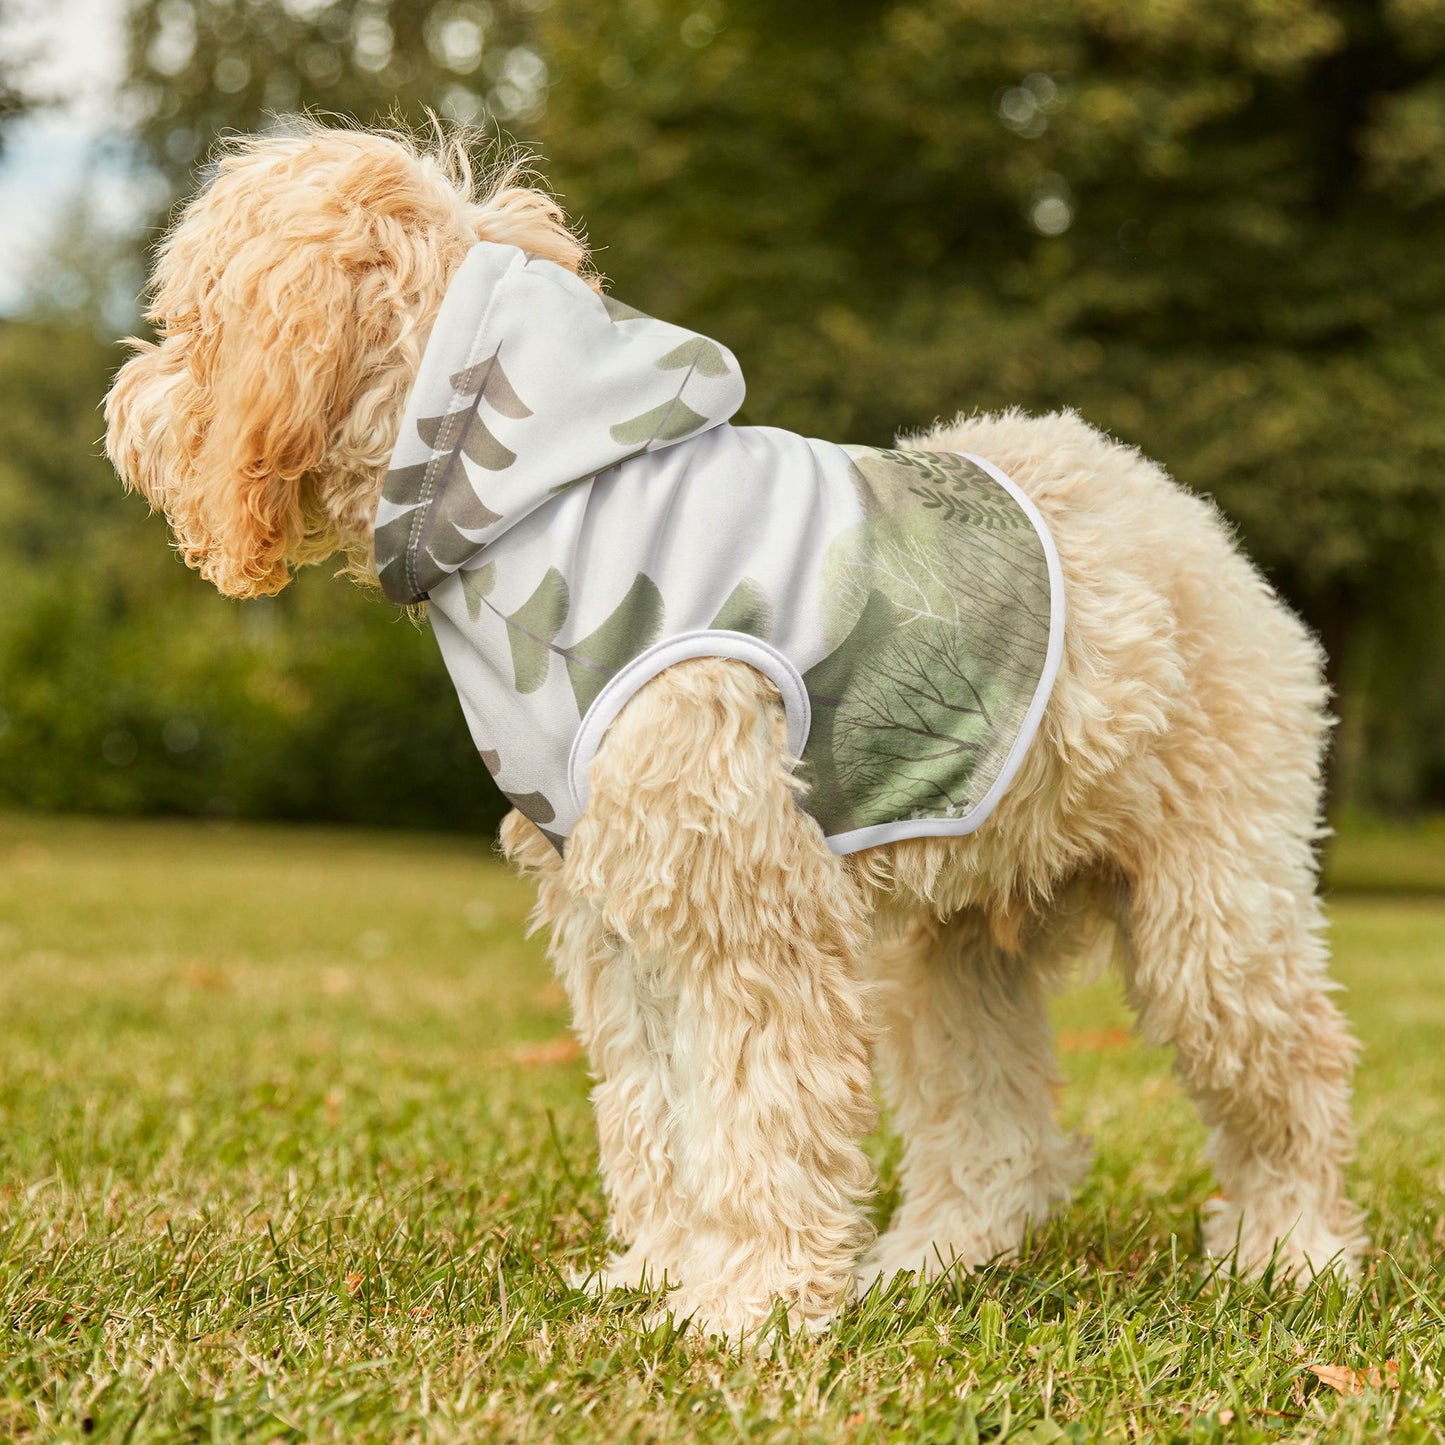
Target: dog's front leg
{"x": 731, "y": 966}
{"x": 623, "y": 1023}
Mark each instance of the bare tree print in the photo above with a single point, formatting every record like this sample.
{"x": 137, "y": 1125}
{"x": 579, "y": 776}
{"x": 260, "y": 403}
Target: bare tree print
{"x": 911, "y": 729}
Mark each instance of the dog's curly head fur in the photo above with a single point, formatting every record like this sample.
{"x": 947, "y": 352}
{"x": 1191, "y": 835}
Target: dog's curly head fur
{"x": 291, "y": 303}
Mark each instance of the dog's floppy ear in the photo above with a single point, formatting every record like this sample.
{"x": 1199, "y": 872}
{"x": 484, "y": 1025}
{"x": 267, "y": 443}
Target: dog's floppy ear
{"x": 143, "y": 418}
{"x": 222, "y": 422}
{"x": 286, "y": 302}
{"x": 274, "y": 356}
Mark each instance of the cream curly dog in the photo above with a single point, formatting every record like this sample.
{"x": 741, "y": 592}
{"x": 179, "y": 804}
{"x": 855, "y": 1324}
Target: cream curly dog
{"x": 732, "y": 976}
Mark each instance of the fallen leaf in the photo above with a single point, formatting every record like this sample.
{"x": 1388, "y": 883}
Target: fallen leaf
{"x": 1347, "y": 1381}
{"x": 354, "y": 1283}
{"x": 202, "y": 975}
{"x": 551, "y": 995}
{"x": 335, "y": 982}
{"x": 1099, "y": 1040}
{"x": 554, "y": 1051}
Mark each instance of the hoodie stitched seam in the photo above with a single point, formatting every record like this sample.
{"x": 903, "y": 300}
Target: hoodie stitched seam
{"x": 434, "y": 481}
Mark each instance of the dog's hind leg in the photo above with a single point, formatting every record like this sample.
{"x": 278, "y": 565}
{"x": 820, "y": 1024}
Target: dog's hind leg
{"x": 741, "y": 931}
{"x": 1226, "y": 962}
{"x": 966, "y": 1059}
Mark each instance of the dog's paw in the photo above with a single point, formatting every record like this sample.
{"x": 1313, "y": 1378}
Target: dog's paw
{"x": 1297, "y": 1245}
{"x": 753, "y": 1324}
{"x": 967, "y": 1227}
{"x": 897, "y": 1253}
{"x": 632, "y": 1270}
{"x": 957, "y": 1243}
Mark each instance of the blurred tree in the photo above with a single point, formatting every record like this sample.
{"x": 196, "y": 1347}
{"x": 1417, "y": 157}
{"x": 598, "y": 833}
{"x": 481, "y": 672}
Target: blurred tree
{"x": 1215, "y": 227}
{"x": 202, "y": 67}
{"x": 1218, "y": 230}
{"x": 127, "y": 685}
{"x": 15, "y": 98}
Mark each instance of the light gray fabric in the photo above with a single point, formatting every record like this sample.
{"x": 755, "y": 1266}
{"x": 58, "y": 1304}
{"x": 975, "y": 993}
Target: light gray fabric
{"x": 569, "y": 494}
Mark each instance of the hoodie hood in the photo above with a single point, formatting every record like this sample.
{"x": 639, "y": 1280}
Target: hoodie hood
{"x": 531, "y": 383}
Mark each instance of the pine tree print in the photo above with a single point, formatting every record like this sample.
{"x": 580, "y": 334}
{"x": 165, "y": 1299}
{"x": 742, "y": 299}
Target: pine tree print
{"x": 674, "y": 419}
{"x": 436, "y": 540}
{"x": 621, "y": 311}
{"x": 747, "y": 609}
{"x": 632, "y": 628}
{"x": 531, "y": 628}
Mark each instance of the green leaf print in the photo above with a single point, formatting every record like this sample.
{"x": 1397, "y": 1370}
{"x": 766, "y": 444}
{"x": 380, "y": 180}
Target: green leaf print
{"x": 958, "y": 489}
{"x": 462, "y": 507}
{"x": 476, "y": 588}
{"x": 697, "y": 354}
{"x": 407, "y": 482}
{"x": 457, "y": 507}
{"x": 941, "y": 616}
{"x": 632, "y": 628}
{"x": 621, "y": 311}
{"x": 581, "y": 481}
{"x": 536, "y": 806}
{"x": 863, "y": 488}
{"x": 453, "y": 508}
{"x": 669, "y": 422}
{"x": 747, "y": 609}
{"x": 828, "y": 683}
{"x": 532, "y": 627}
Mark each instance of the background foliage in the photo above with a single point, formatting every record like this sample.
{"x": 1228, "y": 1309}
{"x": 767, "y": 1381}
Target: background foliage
{"x": 1216, "y": 229}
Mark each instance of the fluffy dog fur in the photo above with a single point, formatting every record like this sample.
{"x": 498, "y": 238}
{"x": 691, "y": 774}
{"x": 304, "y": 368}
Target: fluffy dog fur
{"x": 729, "y": 976}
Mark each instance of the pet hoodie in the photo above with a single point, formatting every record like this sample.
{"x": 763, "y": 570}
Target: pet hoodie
{"x": 570, "y": 497}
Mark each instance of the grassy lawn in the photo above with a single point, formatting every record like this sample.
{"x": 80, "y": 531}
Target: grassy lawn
{"x": 292, "y": 1146}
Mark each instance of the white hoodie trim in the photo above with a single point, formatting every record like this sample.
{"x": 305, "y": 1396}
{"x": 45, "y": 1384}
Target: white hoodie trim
{"x": 686, "y": 647}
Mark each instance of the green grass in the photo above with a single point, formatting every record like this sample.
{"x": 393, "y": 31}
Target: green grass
{"x": 284, "y": 1155}
{"x": 1372, "y": 856}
